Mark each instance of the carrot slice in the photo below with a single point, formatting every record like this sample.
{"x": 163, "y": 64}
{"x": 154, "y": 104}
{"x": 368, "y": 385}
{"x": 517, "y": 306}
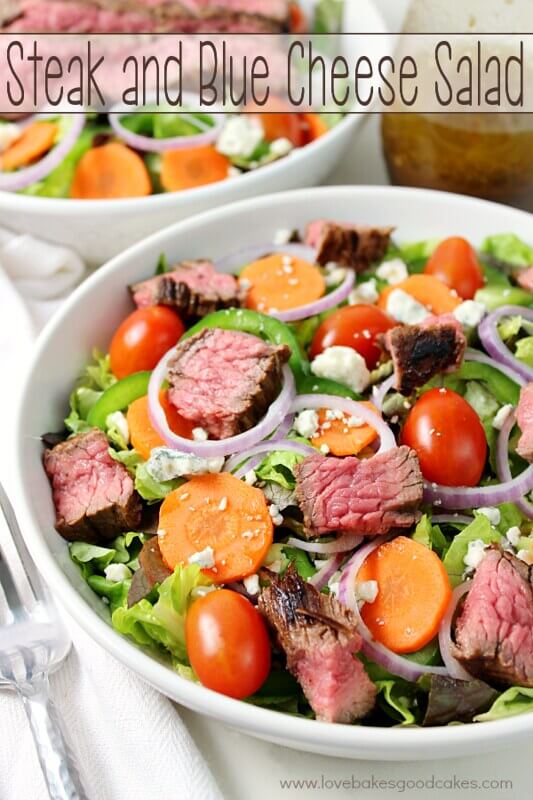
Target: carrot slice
{"x": 340, "y": 437}
{"x": 314, "y": 126}
{"x": 143, "y": 435}
{"x": 428, "y": 290}
{"x": 34, "y": 141}
{"x": 192, "y": 167}
{"x": 297, "y": 19}
{"x": 413, "y": 594}
{"x": 109, "y": 172}
{"x": 221, "y": 512}
{"x": 280, "y": 282}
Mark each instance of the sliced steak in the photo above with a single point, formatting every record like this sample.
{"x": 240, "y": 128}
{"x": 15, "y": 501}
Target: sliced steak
{"x": 320, "y": 640}
{"x": 224, "y": 381}
{"x": 421, "y": 351}
{"x": 366, "y": 497}
{"x": 524, "y": 279}
{"x": 94, "y": 496}
{"x": 193, "y": 288}
{"x": 494, "y": 632}
{"x": 356, "y": 246}
{"x": 524, "y": 417}
{"x": 152, "y": 570}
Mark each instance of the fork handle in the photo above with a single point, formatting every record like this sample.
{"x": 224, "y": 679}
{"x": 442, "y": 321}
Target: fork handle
{"x": 55, "y": 757}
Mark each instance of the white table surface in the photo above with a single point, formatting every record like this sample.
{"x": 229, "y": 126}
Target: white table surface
{"x": 248, "y": 769}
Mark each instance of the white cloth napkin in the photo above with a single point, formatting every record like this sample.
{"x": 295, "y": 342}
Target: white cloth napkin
{"x": 129, "y": 740}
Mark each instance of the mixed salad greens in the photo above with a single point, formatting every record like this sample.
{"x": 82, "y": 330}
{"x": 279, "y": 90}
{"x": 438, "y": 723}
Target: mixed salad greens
{"x": 344, "y": 404}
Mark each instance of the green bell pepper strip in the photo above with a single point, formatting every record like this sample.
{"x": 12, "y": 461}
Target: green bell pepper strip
{"x": 495, "y": 296}
{"x": 503, "y": 388}
{"x": 118, "y": 397}
{"x": 309, "y": 384}
{"x": 248, "y": 321}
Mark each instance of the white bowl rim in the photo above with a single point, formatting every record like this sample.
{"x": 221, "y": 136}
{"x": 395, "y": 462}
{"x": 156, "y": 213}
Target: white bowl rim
{"x": 347, "y": 740}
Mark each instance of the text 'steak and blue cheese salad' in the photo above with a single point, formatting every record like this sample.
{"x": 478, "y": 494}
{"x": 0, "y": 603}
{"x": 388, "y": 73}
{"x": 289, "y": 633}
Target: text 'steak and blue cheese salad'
{"x": 307, "y": 485}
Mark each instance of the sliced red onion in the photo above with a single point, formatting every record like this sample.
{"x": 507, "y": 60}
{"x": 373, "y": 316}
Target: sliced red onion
{"x": 454, "y": 668}
{"x": 151, "y": 145}
{"x": 268, "y": 446}
{"x": 491, "y": 340}
{"x": 380, "y": 392}
{"x": 348, "y": 406}
{"x": 320, "y": 578}
{"x": 20, "y": 179}
{"x": 328, "y": 301}
{"x": 341, "y": 545}
{"x": 461, "y": 519}
{"x": 481, "y": 358}
{"x": 502, "y": 462}
{"x": 282, "y": 431}
{"x": 235, "y": 261}
{"x": 372, "y": 649}
{"x": 474, "y": 497}
{"x": 275, "y": 415}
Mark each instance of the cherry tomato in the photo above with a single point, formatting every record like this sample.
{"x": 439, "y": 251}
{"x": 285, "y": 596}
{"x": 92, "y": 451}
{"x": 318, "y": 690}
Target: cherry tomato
{"x": 143, "y": 339}
{"x": 227, "y": 643}
{"x": 455, "y": 263}
{"x": 449, "y": 438}
{"x": 279, "y": 121}
{"x": 353, "y": 326}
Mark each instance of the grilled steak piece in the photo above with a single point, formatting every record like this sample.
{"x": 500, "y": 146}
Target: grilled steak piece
{"x": 367, "y": 497}
{"x": 152, "y": 570}
{"x": 524, "y": 279}
{"x": 524, "y": 417}
{"x": 320, "y": 640}
{"x": 224, "y": 381}
{"x": 421, "y": 351}
{"x": 494, "y": 632}
{"x": 93, "y": 495}
{"x": 356, "y": 246}
{"x": 193, "y": 288}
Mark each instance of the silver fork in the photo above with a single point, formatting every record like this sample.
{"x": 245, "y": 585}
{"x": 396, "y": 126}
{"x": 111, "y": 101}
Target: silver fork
{"x": 33, "y": 643}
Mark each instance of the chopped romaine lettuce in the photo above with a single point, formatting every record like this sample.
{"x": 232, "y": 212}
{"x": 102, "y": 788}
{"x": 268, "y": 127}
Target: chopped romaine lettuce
{"x": 395, "y": 702}
{"x": 278, "y": 467}
{"x": 509, "y": 249}
{"x": 96, "y": 378}
{"x": 430, "y": 535}
{"x": 479, "y": 528}
{"x": 515, "y": 700}
{"x": 328, "y": 16}
{"x": 150, "y": 490}
{"x": 304, "y": 566}
{"x": 524, "y": 350}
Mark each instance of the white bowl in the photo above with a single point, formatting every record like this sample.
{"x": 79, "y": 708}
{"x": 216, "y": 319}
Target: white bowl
{"x": 89, "y": 318}
{"x": 101, "y": 229}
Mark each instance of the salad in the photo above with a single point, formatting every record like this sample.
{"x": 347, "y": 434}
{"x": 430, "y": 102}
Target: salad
{"x": 301, "y": 475}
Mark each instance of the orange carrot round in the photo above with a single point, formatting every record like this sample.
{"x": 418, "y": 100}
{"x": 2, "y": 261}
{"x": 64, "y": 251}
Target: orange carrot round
{"x": 280, "y": 282}
{"x": 428, "y": 290}
{"x": 143, "y": 435}
{"x": 340, "y": 437}
{"x": 314, "y": 126}
{"x": 223, "y": 513}
{"x": 110, "y": 172}
{"x": 413, "y": 594}
{"x": 192, "y": 167}
{"x": 33, "y": 143}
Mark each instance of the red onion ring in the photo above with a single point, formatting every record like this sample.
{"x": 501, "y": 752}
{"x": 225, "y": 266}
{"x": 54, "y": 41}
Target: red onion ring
{"x": 371, "y": 648}
{"x": 461, "y": 519}
{"x": 380, "y": 392}
{"x": 20, "y": 179}
{"x": 318, "y": 401}
{"x": 152, "y": 145}
{"x": 454, "y": 668}
{"x": 503, "y": 469}
{"x": 234, "y": 444}
{"x": 235, "y": 261}
{"x": 481, "y": 358}
{"x": 343, "y": 544}
{"x": 491, "y": 340}
{"x": 268, "y": 446}
{"x": 457, "y": 497}
{"x": 320, "y": 578}
{"x": 318, "y": 306}
{"x": 282, "y": 431}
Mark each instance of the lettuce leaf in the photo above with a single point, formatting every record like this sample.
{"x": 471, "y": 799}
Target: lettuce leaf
{"x": 304, "y": 566}
{"x": 516, "y": 700}
{"x": 95, "y": 379}
{"x": 479, "y": 528}
{"x": 509, "y": 327}
{"x": 328, "y": 16}
{"x": 150, "y": 490}
{"x": 278, "y": 467}
{"x": 161, "y": 625}
{"x": 396, "y": 702}
{"x": 508, "y": 248}
{"x": 430, "y": 536}
{"x": 524, "y": 350}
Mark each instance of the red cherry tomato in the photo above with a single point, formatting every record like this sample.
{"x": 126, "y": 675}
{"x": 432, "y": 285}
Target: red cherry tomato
{"x": 353, "y": 326}
{"x": 455, "y": 263}
{"x": 143, "y": 338}
{"x": 227, "y": 643}
{"x": 279, "y": 121}
{"x": 449, "y": 438}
